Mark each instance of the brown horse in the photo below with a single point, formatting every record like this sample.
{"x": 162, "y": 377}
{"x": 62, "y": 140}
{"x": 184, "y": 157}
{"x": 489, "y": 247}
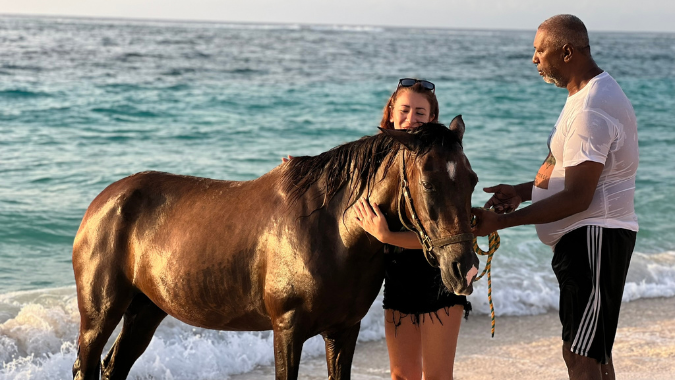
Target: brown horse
{"x": 280, "y": 252}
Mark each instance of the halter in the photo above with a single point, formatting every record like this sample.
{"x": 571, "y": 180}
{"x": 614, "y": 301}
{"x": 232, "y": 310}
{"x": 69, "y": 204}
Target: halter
{"x": 428, "y": 244}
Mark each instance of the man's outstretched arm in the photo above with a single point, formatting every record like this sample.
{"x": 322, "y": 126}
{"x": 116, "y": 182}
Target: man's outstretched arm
{"x": 580, "y": 184}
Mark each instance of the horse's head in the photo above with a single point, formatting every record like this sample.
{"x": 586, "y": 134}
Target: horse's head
{"x": 440, "y": 182}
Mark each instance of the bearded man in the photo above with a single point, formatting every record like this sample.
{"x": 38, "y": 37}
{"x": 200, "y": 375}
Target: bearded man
{"x": 582, "y": 196}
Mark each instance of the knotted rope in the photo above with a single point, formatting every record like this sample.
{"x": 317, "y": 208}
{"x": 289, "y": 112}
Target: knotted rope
{"x": 494, "y": 244}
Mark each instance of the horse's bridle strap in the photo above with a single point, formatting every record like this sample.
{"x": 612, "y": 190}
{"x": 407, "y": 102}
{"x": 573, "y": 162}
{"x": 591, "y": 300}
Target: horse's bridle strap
{"x": 451, "y": 240}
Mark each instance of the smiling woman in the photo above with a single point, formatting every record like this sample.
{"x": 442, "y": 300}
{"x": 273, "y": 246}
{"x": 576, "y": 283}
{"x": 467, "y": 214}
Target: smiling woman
{"x": 414, "y": 293}
{"x": 412, "y": 104}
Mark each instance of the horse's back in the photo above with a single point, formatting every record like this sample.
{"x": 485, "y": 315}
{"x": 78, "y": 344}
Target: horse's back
{"x": 178, "y": 240}
{"x": 152, "y": 196}
{"x": 121, "y": 204}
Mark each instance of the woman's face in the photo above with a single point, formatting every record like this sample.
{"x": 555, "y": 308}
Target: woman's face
{"x": 410, "y": 110}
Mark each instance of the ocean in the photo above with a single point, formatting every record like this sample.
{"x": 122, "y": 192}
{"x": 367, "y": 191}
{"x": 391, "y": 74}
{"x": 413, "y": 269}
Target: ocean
{"x": 85, "y": 102}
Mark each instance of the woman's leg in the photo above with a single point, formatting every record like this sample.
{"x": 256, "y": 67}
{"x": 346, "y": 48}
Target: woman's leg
{"x": 439, "y": 342}
{"x": 404, "y": 346}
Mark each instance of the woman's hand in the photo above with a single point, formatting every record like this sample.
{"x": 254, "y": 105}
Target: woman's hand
{"x": 284, "y": 159}
{"x": 371, "y": 219}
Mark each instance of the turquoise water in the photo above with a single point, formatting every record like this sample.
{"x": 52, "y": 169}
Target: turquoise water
{"x": 86, "y": 102}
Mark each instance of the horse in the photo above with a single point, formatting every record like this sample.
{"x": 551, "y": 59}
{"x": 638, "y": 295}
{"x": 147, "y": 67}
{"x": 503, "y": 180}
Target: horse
{"x": 282, "y": 252}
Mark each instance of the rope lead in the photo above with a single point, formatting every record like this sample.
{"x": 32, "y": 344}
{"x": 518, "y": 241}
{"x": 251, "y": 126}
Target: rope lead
{"x": 494, "y": 244}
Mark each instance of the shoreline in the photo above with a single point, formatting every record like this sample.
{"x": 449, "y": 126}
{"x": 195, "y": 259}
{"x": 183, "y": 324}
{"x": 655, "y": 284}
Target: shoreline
{"x": 528, "y": 348}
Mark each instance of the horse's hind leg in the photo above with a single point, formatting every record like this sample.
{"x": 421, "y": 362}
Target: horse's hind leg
{"x": 99, "y": 315}
{"x": 340, "y": 345}
{"x": 140, "y": 322}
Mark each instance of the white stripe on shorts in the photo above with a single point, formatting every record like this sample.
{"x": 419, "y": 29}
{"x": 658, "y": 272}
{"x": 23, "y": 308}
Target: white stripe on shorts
{"x": 589, "y": 321}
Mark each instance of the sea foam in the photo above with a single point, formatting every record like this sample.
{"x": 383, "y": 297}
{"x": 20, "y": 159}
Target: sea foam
{"x": 37, "y": 342}
{"x": 38, "y": 328}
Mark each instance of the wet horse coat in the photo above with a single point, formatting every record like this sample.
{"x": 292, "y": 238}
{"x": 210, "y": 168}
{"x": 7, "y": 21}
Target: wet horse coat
{"x": 280, "y": 252}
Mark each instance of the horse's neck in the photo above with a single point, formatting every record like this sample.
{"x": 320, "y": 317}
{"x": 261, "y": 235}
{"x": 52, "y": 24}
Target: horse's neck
{"x": 383, "y": 191}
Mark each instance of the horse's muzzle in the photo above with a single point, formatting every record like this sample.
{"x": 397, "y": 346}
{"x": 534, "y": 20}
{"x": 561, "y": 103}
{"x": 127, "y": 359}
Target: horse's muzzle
{"x": 459, "y": 274}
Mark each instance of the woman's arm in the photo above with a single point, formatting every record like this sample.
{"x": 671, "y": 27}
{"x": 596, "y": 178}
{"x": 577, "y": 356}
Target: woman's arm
{"x": 370, "y": 218}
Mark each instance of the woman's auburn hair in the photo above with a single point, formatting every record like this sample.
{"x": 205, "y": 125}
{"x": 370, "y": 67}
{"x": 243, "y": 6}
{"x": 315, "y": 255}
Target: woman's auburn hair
{"x": 417, "y": 88}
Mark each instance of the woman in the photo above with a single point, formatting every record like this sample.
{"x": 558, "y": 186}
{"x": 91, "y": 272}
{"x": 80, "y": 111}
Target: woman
{"x": 422, "y": 318}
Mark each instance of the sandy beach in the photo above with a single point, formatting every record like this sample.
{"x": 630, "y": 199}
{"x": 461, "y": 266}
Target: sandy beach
{"x": 528, "y": 348}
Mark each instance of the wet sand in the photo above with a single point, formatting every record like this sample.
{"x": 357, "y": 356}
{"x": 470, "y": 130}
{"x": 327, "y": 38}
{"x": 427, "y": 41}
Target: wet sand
{"x": 529, "y": 348}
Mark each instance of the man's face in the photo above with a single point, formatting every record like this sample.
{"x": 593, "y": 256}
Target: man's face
{"x": 548, "y": 59}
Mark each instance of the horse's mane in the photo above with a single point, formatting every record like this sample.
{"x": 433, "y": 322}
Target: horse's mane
{"x": 356, "y": 163}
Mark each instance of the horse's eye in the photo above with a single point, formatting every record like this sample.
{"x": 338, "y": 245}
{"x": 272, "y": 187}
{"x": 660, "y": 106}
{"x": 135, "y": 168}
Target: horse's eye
{"x": 427, "y": 186}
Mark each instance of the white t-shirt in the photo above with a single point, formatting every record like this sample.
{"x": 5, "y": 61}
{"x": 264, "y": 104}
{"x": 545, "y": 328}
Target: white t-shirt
{"x": 597, "y": 124}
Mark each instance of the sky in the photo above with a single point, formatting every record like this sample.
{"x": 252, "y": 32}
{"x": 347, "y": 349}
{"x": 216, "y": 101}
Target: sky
{"x": 598, "y": 15}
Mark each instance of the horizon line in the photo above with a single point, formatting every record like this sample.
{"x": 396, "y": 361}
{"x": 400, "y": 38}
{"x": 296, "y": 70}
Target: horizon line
{"x": 280, "y": 23}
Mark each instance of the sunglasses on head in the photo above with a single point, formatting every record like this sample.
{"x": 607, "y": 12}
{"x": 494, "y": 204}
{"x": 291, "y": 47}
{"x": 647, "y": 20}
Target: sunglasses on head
{"x": 409, "y": 82}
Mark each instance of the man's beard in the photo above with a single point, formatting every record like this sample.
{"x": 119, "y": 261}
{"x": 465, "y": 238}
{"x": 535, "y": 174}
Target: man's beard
{"x": 553, "y": 77}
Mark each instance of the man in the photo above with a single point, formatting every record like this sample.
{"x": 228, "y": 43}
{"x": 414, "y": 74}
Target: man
{"x": 582, "y": 196}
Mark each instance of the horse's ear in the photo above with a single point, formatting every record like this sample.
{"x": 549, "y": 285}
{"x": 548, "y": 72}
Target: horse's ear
{"x": 402, "y": 136}
{"x": 457, "y": 125}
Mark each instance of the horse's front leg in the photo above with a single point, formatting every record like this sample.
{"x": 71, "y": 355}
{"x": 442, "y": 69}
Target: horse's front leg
{"x": 289, "y": 337}
{"x": 340, "y": 345}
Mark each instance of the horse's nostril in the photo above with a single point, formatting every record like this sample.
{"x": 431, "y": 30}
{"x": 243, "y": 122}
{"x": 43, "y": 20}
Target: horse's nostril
{"x": 457, "y": 269}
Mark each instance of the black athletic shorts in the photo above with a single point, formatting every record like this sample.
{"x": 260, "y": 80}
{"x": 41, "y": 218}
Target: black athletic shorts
{"x": 591, "y": 263}
{"x": 414, "y": 288}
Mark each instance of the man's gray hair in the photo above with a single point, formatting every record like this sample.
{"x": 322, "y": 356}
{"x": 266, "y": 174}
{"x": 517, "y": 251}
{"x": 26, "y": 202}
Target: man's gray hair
{"x": 566, "y": 29}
